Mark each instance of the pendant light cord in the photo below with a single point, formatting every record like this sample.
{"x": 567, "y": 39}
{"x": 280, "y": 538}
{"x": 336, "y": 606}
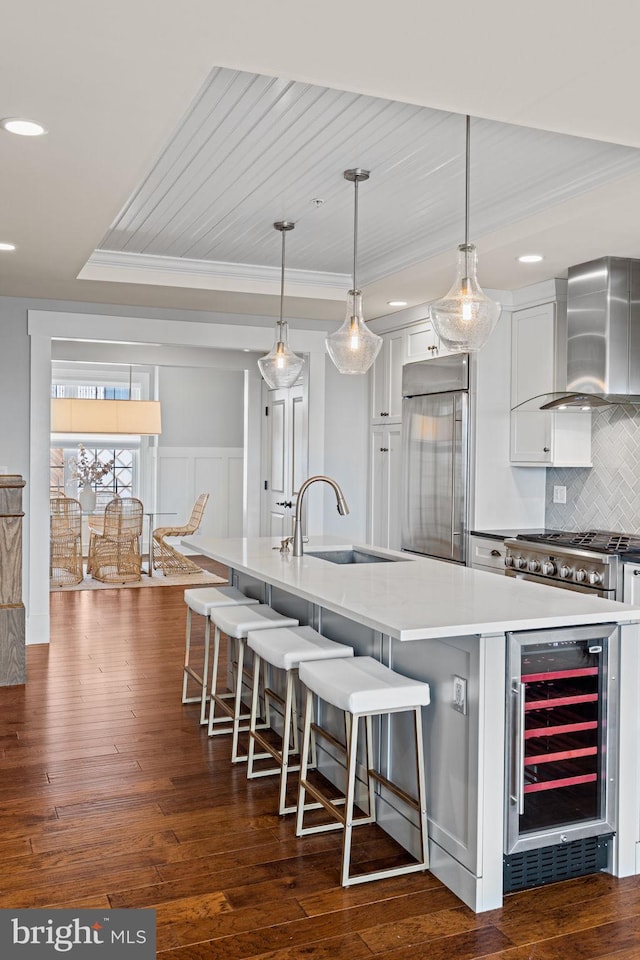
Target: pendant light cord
{"x": 282, "y": 285}
{"x": 355, "y": 235}
{"x": 467, "y": 178}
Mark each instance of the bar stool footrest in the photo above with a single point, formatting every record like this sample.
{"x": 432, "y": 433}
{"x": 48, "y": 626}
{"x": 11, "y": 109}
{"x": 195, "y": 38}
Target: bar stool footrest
{"x": 395, "y": 789}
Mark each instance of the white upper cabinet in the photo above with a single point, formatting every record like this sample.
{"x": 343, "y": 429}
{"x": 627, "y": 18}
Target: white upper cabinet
{"x": 405, "y": 345}
{"x": 542, "y": 437}
{"x": 387, "y": 378}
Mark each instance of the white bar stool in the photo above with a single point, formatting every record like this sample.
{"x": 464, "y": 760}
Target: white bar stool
{"x": 236, "y": 622}
{"x": 202, "y": 601}
{"x": 361, "y": 688}
{"x": 285, "y": 649}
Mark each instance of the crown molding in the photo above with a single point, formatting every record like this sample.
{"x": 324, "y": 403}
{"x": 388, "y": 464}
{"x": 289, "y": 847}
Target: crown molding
{"x": 117, "y": 266}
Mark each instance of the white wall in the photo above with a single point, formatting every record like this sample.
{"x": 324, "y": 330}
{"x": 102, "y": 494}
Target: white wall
{"x": 201, "y": 407}
{"x": 346, "y": 451}
{"x": 14, "y": 388}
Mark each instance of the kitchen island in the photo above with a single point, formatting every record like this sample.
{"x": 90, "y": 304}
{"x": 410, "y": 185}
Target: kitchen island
{"x": 437, "y": 621}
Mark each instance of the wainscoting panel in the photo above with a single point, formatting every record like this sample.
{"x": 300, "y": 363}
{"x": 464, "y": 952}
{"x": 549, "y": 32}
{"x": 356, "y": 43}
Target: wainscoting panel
{"x": 186, "y": 472}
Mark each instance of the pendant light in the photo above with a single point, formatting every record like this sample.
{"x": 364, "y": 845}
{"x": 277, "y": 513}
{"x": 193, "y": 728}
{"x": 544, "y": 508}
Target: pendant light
{"x": 281, "y": 367}
{"x": 132, "y": 417}
{"x": 465, "y": 318}
{"x": 353, "y": 347}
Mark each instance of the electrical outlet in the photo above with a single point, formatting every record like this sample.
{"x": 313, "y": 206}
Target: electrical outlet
{"x": 559, "y": 494}
{"x": 460, "y": 695}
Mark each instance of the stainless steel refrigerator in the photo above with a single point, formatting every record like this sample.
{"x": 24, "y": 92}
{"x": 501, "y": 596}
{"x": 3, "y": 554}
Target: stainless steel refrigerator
{"x": 435, "y": 457}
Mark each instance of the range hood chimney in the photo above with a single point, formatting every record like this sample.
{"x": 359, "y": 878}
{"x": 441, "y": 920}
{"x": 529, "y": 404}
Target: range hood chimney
{"x": 603, "y": 336}
{"x": 603, "y": 329}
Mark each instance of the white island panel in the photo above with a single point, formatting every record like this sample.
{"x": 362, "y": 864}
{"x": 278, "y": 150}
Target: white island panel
{"x": 432, "y": 620}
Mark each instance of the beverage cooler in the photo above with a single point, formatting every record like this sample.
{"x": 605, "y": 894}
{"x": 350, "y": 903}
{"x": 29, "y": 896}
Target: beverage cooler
{"x": 559, "y": 777}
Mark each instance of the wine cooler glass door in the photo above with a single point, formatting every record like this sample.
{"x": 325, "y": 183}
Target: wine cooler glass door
{"x": 559, "y": 719}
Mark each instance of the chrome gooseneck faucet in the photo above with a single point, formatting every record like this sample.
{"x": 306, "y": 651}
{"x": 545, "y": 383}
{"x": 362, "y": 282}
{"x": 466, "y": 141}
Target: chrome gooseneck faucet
{"x": 343, "y": 509}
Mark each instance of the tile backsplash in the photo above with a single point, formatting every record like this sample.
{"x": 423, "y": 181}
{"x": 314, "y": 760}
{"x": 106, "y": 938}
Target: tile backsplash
{"x": 605, "y": 496}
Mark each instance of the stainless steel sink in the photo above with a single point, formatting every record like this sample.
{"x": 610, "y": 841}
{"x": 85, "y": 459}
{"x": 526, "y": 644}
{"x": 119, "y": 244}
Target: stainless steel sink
{"x": 350, "y": 556}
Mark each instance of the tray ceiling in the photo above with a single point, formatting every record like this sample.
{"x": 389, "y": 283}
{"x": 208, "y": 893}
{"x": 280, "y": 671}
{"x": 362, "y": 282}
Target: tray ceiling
{"x": 116, "y": 87}
{"x": 253, "y": 149}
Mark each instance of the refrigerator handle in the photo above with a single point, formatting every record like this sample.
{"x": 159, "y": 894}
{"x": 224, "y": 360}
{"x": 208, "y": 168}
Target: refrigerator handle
{"x": 517, "y": 773}
{"x": 457, "y": 496}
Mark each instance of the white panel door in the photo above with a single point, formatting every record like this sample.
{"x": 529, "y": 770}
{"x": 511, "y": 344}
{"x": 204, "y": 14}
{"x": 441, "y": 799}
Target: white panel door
{"x": 286, "y": 457}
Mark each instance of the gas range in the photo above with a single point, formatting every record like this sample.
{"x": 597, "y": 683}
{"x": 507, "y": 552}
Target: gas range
{"x": 589, "y": 561}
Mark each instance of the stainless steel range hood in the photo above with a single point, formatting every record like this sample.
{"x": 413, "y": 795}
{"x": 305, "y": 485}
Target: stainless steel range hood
{"x": 603, "y": 337}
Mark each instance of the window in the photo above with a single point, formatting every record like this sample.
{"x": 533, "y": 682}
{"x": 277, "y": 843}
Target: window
{"x": 122, "y": 480}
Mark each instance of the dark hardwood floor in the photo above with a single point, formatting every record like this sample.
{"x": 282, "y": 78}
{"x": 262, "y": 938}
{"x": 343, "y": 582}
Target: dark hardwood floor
{"x": 112, "y": 796}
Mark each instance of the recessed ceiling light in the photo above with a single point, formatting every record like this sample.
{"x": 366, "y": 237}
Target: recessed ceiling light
{"x": 397, "y": 303}
{"x": 530, "y": 258}
{"x": 7, "y": 246}
{"x": 24, "y": 128}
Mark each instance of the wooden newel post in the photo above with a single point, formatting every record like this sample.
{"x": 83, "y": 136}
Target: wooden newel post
{"x": 12, "y": 617}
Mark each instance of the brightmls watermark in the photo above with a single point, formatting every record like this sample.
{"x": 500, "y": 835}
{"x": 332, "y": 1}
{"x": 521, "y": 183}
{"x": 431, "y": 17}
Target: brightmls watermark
{"x": 79, "y": 934}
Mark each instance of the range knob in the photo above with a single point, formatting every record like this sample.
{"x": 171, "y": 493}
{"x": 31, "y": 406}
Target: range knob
{"x": 534, "y": 566}
{"x": 581, "y": 575}
{"x": 549, "y": 568}
{"x": 519, "y": 563}
{"x": 508, "y": 560}
{"x": 595, "y": 578}
{"x": 565, "y": 571}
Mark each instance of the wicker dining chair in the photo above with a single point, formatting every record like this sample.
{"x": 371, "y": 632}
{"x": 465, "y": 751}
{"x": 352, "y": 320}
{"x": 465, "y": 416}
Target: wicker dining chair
{"x": 114, "y": 543}
{"x": 65, "y": 556}
{"x": 165, "y": 556}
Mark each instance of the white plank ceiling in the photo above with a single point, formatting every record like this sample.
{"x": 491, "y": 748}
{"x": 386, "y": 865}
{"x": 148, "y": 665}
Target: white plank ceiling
{"x": 254, "y": 149}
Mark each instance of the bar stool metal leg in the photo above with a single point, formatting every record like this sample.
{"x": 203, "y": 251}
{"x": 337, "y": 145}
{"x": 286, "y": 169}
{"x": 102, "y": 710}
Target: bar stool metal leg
{"x": 188, "y": 672}
{"x": 236, "y": 623}
{"x": 281, "y": 650}
{"x": 362, "y": 689}
{"x": 289, "y": 741}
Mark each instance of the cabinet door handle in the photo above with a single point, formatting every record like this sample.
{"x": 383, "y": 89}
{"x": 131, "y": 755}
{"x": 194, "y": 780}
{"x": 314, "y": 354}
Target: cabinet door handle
{"x": 546, "y": 449}
{"x": 384, "y": 449}
{"x": 496, "y": 553}
{"x": 383, "y": 414}
{"x": 636, "y": 573}
{"x": 284, "y": 503}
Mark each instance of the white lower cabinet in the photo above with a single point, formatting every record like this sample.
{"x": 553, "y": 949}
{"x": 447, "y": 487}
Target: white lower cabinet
{"x": 386, "y": 493}
{"x": 487, "y": 554}
{"x": 631, "y": 587}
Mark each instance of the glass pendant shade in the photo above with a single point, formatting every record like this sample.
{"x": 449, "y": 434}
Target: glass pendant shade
{"x": 465, "y": 318}
{"x": 281, "y": 367}
{"x": 353, "y": 347}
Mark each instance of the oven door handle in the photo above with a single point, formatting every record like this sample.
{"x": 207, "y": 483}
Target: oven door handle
{"x": 561, "y": 584}
{"x": 517, "y": 774}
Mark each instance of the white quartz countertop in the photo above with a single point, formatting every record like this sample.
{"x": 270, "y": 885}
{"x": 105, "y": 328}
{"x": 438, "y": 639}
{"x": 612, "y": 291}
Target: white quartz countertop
{"x": 416, "y": 598}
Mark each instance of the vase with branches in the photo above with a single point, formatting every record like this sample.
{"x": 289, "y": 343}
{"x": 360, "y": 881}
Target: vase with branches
{"x": 87, "y": 469}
